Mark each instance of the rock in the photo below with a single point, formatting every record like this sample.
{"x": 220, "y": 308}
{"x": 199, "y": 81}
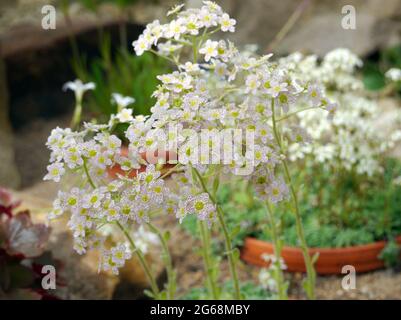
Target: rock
{"x": 9, "y": 176}
{"x": 318, "y": 28}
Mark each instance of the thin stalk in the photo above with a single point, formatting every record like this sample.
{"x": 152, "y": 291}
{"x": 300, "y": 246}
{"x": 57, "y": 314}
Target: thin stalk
{"x": 164, "y": 57}
{"x": 76, "y": 118}
{"x": 227, "y": 238}
{"x": 171, "y": 285}
{"x": 206, "y": 261}
{"x": 195, "y": 51}
{"x": 142, "y": 261}
{"x": 88, "y": 175}
{"x": 289, "y": 115}
{"x": 311, "y": 275}
{"x": 277, "y": 253}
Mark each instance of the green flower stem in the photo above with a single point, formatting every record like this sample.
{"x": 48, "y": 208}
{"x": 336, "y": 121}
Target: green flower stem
{"x": 195, "y": 51}
{"x": 227, "y": 238}
{"x": 204, "y": 231}
{"x": 311, "y": 274}
{"x": 76, "y": 118}
{"x": 142, "y": 261}
{"x": 282, "y": 294}
{"x": 164, "y": 57}
{"x": 289, "y": 115}
{"x": 171, "y": 275}
{"x": 88, "y": 175}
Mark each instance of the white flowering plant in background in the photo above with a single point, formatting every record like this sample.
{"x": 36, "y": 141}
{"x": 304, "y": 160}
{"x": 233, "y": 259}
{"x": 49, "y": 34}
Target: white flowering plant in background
{"x": 348, "y": 178}
{"x": 350, "y": 140}
{"x": 215, "y": 88}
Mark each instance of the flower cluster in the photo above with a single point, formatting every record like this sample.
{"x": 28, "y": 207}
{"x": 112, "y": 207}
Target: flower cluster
{"x": 127, "y": 199}
{"x": 350, "y": 140}
{"x": 227, "y": 89}
{"x": 335, "y": 71}
{"x": 188, "y": 23}
{"x": 220, "y": 89}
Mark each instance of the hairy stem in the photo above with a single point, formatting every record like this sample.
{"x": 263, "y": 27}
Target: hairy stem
{"x": 171, "y": 275}
{"x": 311, "y": 275}
{"x": 282, "y": 294}
{"x": 88, "y": 175}
{"x": 227, "y": 238}
{"x": 76, "y": 118}
{"x": 142, "y": 261}
{"x": 204, "y": 232}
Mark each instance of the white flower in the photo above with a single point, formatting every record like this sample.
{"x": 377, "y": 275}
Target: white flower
{"x": 208, "y": 18}
{"x": 393, "y": 74}
{"x": 315, "y": 94}
{"x": 150, "y": 175}
{"x": 276, "y": 87}
{"x": 155, "y": 30}
{"x": 220, "y": 68}
{"x": 143, "y": 239}
{"x": 115, "y": 258}
{"x": 79, "y": 88}
{"x": 55, "y": 172}
{"x": 93, "y": 200}
{"x": 122, "y": 101}
{"x": 252, "y": 83}
{"x": 209, "y": 49}
{"x": 125, "y": 115}
{"x": 227, "y": 24}
{"x": 168, "y": 48}
{"x": 193, "y": 101}
{"x": 175, "y": 29}
{"x": 190, "y": 67}
{"x": 80, "y": 245}
{"x": 202, "y": 207}
{"x": 119, "y": 254}
{"x": 277, "y": 190}
{"x": 141, "y": 45}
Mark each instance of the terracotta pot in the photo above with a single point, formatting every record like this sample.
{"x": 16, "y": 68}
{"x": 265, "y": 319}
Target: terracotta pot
{"x": 116, "y": 169}
{"x": 331, "y": 260}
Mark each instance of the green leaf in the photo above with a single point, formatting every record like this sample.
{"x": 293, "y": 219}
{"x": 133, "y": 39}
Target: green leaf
{"x": 235, "y": 231}
{"x": 373, "y": 78}
{"x": 148, "y": 293}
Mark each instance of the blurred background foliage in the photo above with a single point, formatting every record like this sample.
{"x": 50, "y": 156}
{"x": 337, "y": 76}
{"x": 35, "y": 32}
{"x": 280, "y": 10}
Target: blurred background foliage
{"x": 376, "y": 65}
{"x": 116, "y": 70}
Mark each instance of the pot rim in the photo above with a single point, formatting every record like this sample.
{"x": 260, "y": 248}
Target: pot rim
{"x": 322, "y": 250}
